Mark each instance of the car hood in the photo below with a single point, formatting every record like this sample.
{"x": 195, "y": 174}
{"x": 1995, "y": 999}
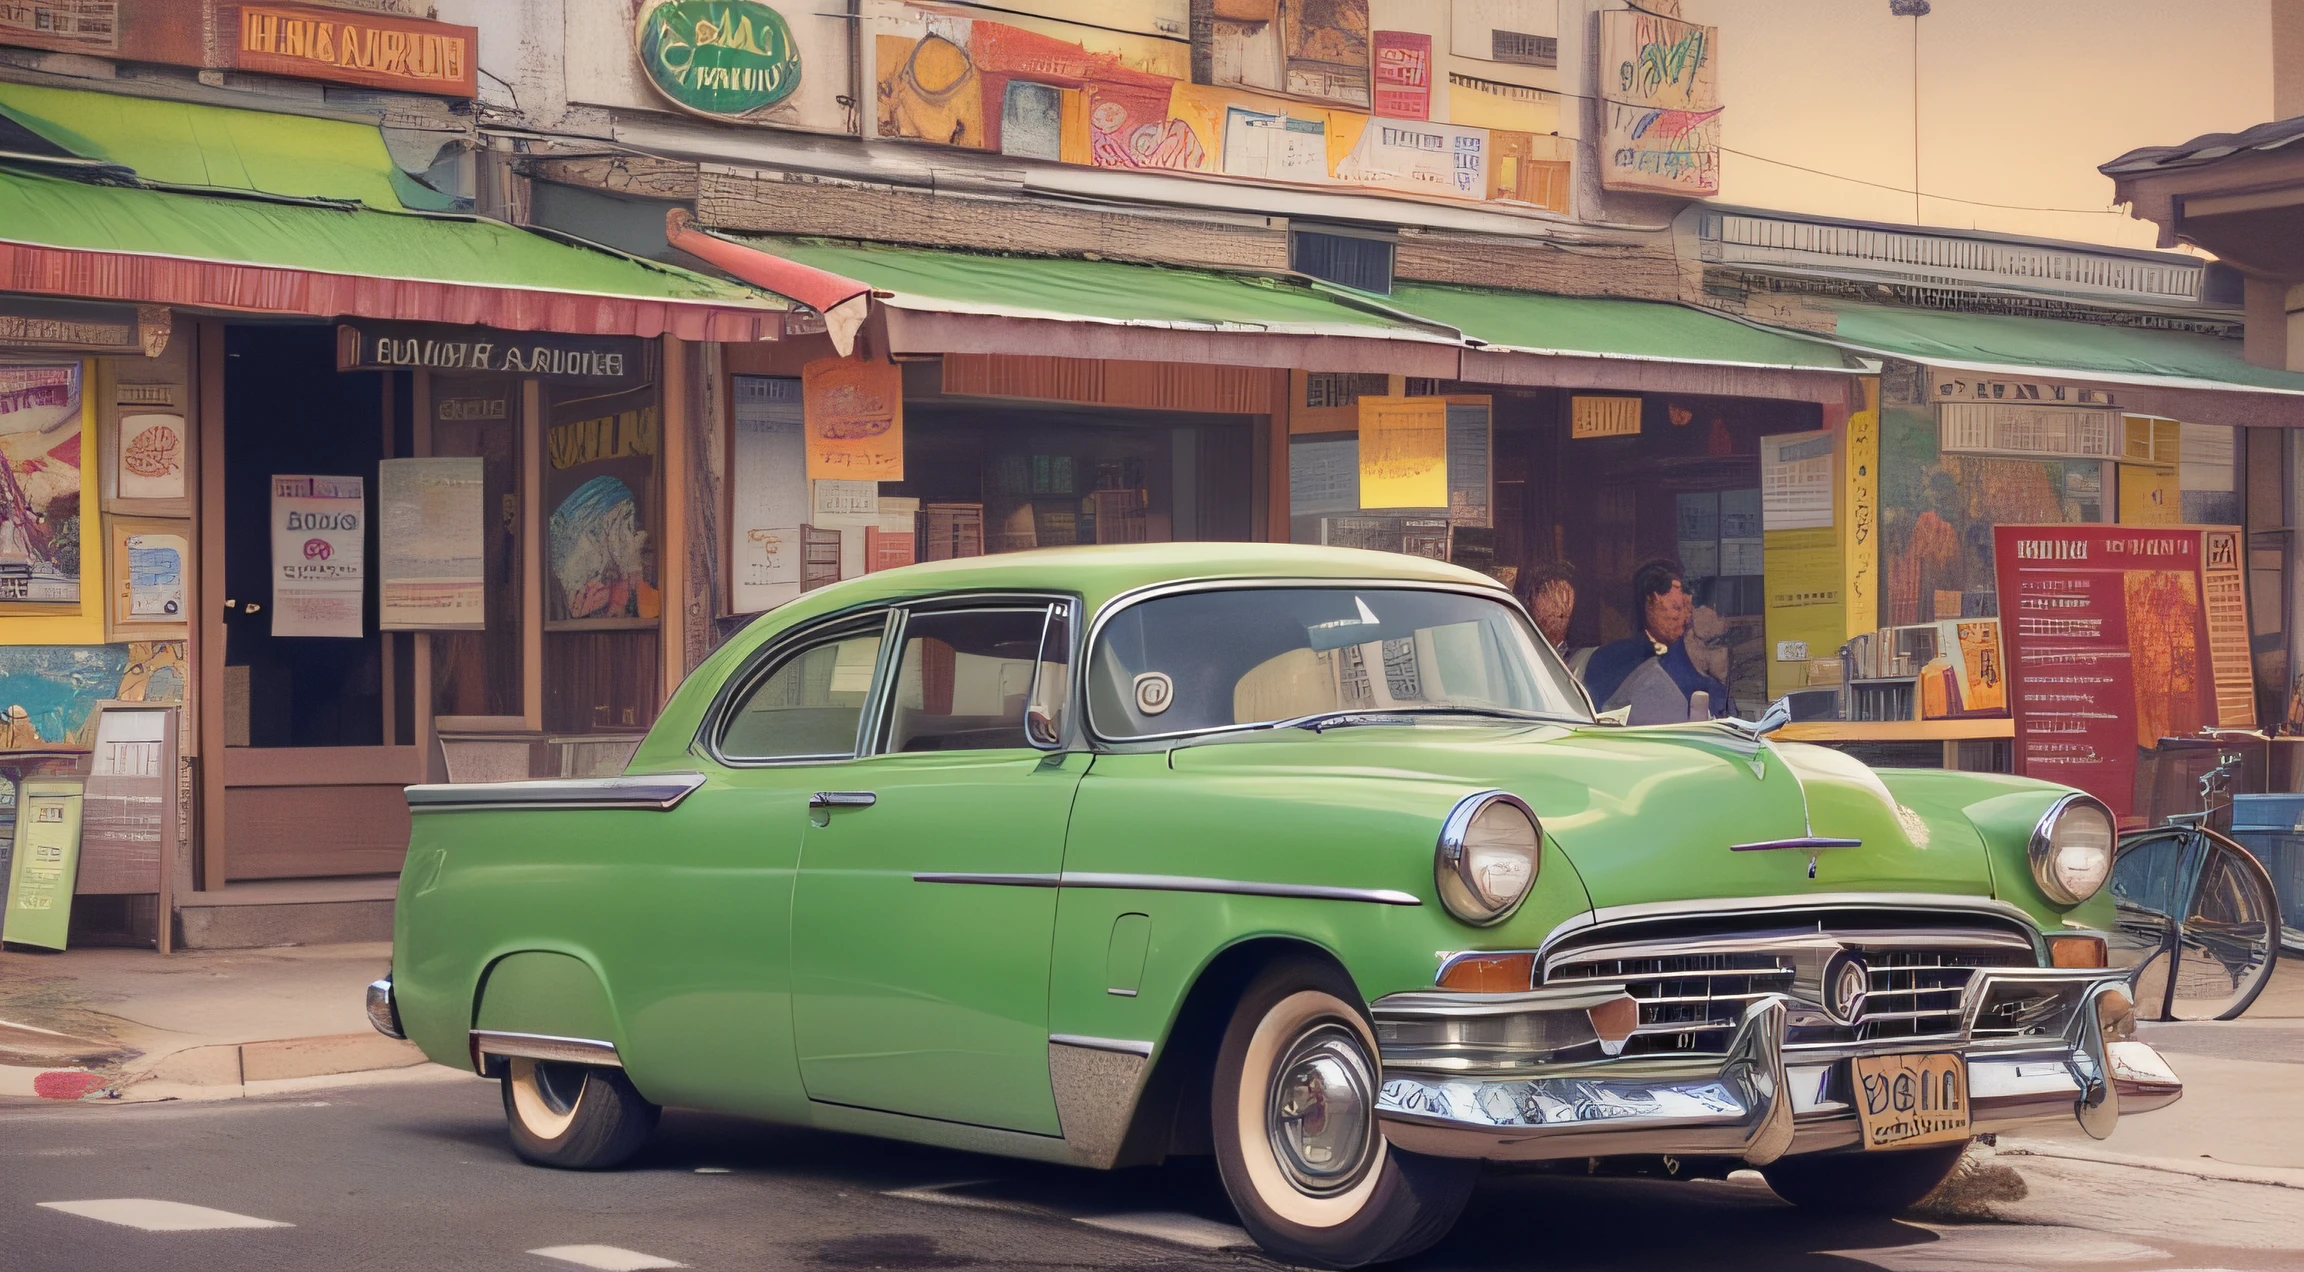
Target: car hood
{"x": 1654, "y": 814}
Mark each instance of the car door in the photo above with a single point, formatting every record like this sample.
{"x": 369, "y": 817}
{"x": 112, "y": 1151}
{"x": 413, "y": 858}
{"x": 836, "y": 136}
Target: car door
{"x": 703, "y": 975}
{"x": 926, "y": 897}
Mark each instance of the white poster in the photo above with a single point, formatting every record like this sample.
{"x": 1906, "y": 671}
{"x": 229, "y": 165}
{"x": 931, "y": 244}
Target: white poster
{"x": 319, "y": 555}
{"x": 155, "y": 577}
{"x": 769, "y": 495}
{"x": 430, "y": 544}
{"x": 1796, "y": 480}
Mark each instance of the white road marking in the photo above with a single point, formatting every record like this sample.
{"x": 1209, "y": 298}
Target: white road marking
{"x": 942, "y": 1195}
{"x": 159, "y": 1216}
{"x": 1966, "y": 1247}
{"x": 1191, "y": 1230}
{"x": 607, "y": 1258}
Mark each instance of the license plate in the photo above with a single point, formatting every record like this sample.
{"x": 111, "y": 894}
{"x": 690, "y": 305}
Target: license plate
{"x": 1911, "y": 1099}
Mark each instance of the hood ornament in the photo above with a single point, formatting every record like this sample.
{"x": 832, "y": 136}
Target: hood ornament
{"x": 1778, "y": 714}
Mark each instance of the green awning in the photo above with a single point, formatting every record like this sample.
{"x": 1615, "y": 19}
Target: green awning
{"x": 1584, "y": 327}
{"x": 219, "y": 148}
{"x": 69, "y": 238}
{"x": 1094, "y": 291}
{"x": 2057, "y": 349}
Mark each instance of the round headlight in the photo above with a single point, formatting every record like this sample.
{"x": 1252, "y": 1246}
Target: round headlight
{"x": 1487, "y": 859}
{"x": 2072, "y": 849}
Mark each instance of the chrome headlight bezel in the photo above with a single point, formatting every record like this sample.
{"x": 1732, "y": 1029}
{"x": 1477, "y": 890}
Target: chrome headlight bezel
{"x": 2044, "y": 849}
{"x": 1461, "y": 894}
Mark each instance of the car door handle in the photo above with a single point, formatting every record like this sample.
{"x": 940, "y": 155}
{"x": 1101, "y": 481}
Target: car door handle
{"x": 843, "y": 799}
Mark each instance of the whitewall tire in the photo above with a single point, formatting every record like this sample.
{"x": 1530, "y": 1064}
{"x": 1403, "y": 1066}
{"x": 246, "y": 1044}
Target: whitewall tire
{"x": 1297, "y": 1140}
{"x": 573, "y": 1116}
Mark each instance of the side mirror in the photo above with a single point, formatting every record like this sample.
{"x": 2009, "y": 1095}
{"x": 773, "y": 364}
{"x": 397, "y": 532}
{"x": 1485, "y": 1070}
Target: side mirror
{"x": 2199, "y": 923}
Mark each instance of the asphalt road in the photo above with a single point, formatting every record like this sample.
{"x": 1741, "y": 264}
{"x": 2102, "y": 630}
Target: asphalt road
{"x": 418, "y": 1176}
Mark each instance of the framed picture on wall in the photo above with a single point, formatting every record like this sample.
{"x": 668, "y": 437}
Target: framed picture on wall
{"x": 148, "y": 565}
{"x": 148, "y": 460}
{"x": 601, "y": 511}
{"x": 42, "y": 433}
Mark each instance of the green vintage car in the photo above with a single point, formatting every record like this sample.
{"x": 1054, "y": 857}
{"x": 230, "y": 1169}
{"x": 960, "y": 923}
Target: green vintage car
{"x": 1313, "y": 859}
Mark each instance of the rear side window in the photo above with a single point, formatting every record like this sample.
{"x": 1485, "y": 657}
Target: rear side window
{"x": 810, "y": 703}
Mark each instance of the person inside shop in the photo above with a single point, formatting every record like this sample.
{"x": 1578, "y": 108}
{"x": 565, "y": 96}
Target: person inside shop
{"x": 1650, "y": 671}
{"x": 1549, "y": 592}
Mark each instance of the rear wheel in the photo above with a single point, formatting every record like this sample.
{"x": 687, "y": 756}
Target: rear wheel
{"x": 1297, "y": 1142}
{"x": 574, "y": 1116}
{"x": 1884, "y": 1183}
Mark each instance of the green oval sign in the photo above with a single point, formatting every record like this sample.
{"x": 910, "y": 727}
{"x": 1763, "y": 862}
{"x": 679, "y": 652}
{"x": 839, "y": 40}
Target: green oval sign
{"x": 719, "y": 57}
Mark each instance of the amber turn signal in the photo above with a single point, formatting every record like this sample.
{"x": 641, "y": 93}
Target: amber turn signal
{"x": 1491, "y": 973}
{"x": 2076, "y": 951}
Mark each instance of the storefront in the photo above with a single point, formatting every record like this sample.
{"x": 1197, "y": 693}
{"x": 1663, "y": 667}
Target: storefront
{"x": 340, "y": 518}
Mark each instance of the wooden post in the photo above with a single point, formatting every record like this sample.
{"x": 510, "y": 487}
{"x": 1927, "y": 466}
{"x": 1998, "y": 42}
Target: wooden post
{"x": 386, "y": 640}
{"x": 672, "y": 553}
{"x": 1277, "y": 526}
{"x": 531, "y": 555}
{"x": 207, "y": 626}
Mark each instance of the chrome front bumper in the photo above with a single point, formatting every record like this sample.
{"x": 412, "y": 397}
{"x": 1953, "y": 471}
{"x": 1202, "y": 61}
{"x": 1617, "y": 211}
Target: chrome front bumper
{"x": 1526, "y": 1077}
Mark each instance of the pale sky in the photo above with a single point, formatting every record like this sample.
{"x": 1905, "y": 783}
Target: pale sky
{"x": 2019, "y": 101}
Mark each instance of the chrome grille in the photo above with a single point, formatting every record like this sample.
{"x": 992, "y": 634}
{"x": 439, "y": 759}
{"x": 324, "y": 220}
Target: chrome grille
{"x": 1693, "y": 988}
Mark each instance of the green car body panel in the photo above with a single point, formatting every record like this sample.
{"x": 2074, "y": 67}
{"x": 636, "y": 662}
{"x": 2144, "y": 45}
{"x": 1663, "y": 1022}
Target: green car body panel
{"x": 746, "y": 955}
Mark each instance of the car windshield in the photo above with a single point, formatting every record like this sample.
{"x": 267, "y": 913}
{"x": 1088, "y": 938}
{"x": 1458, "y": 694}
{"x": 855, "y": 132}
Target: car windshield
{"x": 1248, "y": 656}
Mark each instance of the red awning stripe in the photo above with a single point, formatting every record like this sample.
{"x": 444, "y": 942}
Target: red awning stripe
{"x": 820, "y": 290}
{"x": 171, "y": 280}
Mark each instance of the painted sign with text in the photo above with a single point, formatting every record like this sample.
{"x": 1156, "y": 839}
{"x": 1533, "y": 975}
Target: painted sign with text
{"x": 606, "y": 361}
{"x": 372, "y": 50}
{"x": 718, "y": 57}
{"x": 855, "y": 419}
{"x": 2117, "y": 637}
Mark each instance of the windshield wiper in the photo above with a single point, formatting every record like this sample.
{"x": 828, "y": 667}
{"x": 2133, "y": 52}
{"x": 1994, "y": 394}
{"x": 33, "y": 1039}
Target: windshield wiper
{"x": 1322, "y": 721}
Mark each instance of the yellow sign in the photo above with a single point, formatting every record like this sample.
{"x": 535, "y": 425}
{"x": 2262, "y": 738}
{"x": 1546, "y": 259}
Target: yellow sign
{"x": 1804, "y": 616}
{"x": 2149, "y": 496}
{"x": 1858, "y": 515}
{"x": 1403, "y": 452}
{"x": 1603, "y": 416}
{"x": 855, "y": 419}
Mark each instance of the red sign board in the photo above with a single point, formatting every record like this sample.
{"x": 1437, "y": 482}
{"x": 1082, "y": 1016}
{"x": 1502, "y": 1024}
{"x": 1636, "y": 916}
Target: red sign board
{"x": 1403, "y": 62}
{"x": 344, "y": 46}
{"x": 2119, "y": 636}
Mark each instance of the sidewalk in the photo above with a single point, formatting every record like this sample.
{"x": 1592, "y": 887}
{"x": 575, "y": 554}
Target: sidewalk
{"x": 123, "y": 1024}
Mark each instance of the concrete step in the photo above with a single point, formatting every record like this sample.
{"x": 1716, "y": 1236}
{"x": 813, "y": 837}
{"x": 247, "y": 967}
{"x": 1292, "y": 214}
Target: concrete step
{"x": 258, "y": 913}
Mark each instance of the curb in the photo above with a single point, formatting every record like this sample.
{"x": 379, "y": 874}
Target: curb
{"x": 218, "y": 1070}
{"x": 2223, "y": 1172}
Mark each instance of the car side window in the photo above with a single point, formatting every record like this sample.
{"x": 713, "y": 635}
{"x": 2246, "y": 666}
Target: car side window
{"x": 965, "y": 677}
{"x": 809, "y": 704}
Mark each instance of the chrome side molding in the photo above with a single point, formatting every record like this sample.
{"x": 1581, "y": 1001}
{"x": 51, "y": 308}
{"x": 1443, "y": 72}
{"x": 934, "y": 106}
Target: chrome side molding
{"x": 1179, "y": 883}
{"x": 652, "y": 792}
{"x": 487, "y": 1043}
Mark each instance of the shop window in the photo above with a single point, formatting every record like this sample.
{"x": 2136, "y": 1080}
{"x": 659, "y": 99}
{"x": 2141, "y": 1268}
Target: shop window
{"x": 1354, "y": 261}
{"x": 602, "y": 510}
{"x": 479, "y": 673}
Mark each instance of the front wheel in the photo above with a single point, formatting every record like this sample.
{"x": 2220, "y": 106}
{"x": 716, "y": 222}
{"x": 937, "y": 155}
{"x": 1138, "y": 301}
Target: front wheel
{"x": 1297, "y": 1142}
{"x": 574, "y": 1116}
{"x": 1884, "y": 1183}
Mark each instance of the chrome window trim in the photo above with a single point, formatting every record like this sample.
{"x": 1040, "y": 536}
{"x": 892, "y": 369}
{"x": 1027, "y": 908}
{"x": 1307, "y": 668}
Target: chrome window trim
{"x": 1178, "y": 883}
{"x": 773, "y": 653}
{"x": 1114, "y": 607}
{"x": 1716, "y": 907}
{"x": 649, "y": 792}
{"x": 874, "y": 741}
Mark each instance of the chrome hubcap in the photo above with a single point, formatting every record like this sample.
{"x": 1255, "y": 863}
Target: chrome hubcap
{"x": 1321, "y": 1120}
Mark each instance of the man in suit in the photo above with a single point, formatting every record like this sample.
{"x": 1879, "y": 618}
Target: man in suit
{"x": 1650, "y": 671}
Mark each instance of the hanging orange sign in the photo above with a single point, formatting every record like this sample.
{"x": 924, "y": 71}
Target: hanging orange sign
{"x": 855, "y": 419}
